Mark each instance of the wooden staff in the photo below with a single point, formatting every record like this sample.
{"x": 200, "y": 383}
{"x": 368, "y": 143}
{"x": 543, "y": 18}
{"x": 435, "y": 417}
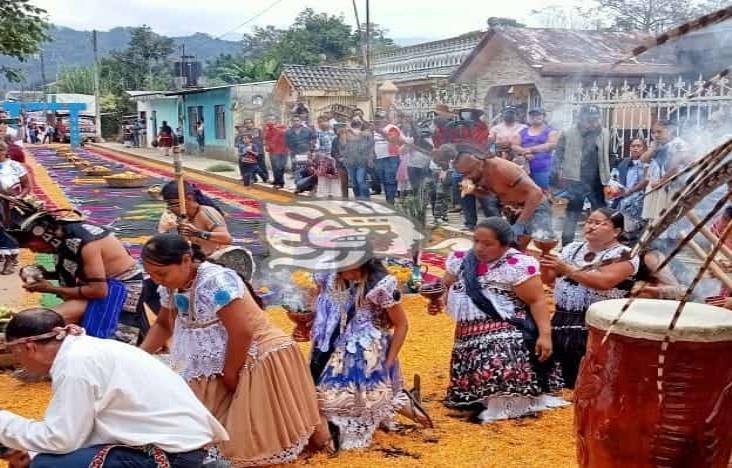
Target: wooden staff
{"x": 711, "y": 237}
{"x": 714, "y": 267}
{"x": 180, "y": 181}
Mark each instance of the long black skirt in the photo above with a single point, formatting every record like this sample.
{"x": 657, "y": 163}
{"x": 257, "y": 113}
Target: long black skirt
{"x": 569, "y": 339}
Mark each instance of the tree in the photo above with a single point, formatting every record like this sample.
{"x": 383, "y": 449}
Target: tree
{"x": 144, "y": 63}
{"x": 566, "y": 17}
{"x": 230, "y": 69}
{"x": 22, "y": 30}
{"x": 262, "y": 41}
{"x": 314, "y": 38}
{"x": 647, "y": 15}
{"x": 498, "y": 22}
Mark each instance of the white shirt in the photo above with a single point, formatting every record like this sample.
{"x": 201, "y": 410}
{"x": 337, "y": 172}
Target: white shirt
{"x": 10, "y": 174}
{"x": 13, "y": 132}
{"x": 107, "y": 392}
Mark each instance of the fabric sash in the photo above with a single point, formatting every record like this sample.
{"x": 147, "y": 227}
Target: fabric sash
{"x": 527, "y": 326}
{"x": 102, "y": 315}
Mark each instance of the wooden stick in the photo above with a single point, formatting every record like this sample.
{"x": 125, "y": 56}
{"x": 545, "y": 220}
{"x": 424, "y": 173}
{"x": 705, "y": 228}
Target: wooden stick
{"x": 180, "y": 181}
{"x": 711, "y": 237}
{"x": 714, "y": 267}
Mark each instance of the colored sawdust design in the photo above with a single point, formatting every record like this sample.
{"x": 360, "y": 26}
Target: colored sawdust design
{"x": 130, "y": 213}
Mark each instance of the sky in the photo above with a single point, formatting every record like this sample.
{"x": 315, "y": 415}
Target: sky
{"x": 434, "y": 19}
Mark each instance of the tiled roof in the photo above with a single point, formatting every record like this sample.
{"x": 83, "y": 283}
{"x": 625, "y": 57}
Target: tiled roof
{"x": 326, "y": 78}
{"x": 570, "y": 49}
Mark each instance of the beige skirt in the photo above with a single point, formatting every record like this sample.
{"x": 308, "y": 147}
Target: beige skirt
{"x": 273, "y": 412}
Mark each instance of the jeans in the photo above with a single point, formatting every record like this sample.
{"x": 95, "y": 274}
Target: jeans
{"x": 386, "y": 168}
{"x": 118, "y": 457}
{"x": 577, "y": 192}
{"x": 541, "y": 178}
{"x": 279, "y": 163}
{"x": 248, "y": 172}
{"x": 454, "y": 177}
{"x": 417, "y": 176}
{"x": 201, "y": 143}
{"x": 262, "y": 171}
{"x": 489, "y": 205}
{"x": 375, "y": 183}
{"x": 360, "y": 185}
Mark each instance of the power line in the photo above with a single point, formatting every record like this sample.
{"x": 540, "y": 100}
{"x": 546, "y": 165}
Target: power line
{"x": 272, "y": 5}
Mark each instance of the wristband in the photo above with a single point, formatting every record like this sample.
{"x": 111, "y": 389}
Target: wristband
{"x": 205, "y": 235}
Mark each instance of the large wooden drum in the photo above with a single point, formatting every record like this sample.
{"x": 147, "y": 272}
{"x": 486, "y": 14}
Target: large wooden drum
{"x": 631, "y": 411}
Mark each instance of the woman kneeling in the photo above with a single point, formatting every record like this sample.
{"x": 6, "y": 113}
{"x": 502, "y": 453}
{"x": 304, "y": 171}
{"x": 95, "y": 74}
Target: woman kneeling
{"x": 500, "y": 360}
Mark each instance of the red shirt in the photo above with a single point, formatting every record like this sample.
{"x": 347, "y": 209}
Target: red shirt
{"x": 274, "y": 139}
{"x": 16, "y": 153}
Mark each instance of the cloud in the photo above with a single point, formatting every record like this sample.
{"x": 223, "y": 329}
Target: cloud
{"x": 403, "y": 18}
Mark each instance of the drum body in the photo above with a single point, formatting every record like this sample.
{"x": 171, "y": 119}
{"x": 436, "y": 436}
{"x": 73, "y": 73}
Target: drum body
{"x": 631, "y": 411}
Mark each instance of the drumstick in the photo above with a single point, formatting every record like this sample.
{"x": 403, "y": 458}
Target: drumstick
{"x": 714, "y": 267}
{"x": 711, "y": 237}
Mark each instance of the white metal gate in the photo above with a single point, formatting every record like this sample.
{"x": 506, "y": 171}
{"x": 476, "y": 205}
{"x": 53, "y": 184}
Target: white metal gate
{"x": 421, "y": 105}
{"x": 629, "y": 110}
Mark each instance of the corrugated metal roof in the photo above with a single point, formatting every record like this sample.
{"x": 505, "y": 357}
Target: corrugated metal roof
{"x": 326, "y": 78}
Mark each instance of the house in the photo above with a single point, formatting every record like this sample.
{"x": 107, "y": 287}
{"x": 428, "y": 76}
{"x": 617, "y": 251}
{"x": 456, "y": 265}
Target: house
{"x": 527, "y": 67}
{"x": 419, "y": 67}
{"x": 322, "y": 87}
{"x": 154, "y": 108}
{"x": 221, "y": 108}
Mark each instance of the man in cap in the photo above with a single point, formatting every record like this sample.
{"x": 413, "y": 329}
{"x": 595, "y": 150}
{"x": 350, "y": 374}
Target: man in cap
{"x": 112, "y": 404}
{"x": 582, "y": 163}
{"x": 504, "y": 180}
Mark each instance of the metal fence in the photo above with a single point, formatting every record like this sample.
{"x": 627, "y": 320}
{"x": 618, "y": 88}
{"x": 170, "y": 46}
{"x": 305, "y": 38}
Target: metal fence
{"x": 421, "y": 105}
{"x": 629, "y": 109}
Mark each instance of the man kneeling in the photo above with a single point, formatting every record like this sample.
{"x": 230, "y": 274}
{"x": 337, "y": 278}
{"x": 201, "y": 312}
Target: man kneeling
{"x": 110, "y": 402}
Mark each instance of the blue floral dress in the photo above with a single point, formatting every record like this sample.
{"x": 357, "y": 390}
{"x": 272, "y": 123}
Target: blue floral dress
{"x": 356, "y": 391}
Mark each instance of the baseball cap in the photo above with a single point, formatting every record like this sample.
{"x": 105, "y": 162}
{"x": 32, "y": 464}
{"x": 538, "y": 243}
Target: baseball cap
{"x": 590, "y": 111}
{"x": 537, "y": 110}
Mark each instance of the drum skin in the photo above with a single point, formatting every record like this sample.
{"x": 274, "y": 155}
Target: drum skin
{"x": 620, "y": 421}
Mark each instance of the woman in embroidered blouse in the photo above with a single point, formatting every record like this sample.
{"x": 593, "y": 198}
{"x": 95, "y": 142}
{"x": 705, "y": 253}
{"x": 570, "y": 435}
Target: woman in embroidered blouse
{"x": 355, "y": 351}
{"x": 248, "y": 373}
{"x": 500, "y": 360}
{"x": 585, "y": 274}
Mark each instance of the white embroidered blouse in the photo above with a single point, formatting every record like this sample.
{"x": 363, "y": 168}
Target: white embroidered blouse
{"x": 572, "y": 296}
{"x": 199, "y": 338}
{"x": 497, "y": 280}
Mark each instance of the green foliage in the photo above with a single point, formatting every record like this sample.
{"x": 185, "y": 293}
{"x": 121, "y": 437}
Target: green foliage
{"x": 230, "y": 69}
{"x": 143, "y": 64}
{"x": 22, "y": 29}
{"x": 496, "y": 21}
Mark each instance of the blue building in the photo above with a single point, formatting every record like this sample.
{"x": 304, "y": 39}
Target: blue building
{"x": 221, "y": 108}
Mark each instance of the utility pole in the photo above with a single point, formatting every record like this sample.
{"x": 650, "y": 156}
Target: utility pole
{"x": 97, "y": 114}
{"x": 371, "y": 83}
{"x": 361, "y": 35}
{"x": 43, "y": 76}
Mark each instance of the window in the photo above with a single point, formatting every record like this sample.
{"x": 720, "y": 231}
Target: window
{"x": 220, "y": 122}
{"x": 195, "y": 114}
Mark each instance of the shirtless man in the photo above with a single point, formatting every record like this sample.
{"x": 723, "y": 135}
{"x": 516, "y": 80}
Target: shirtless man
{"x": 504, "y": 180}
{"x": 97, "y": 276}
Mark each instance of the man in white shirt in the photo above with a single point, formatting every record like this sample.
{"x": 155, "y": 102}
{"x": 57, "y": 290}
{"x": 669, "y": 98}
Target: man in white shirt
{"x": 110, "y": 401}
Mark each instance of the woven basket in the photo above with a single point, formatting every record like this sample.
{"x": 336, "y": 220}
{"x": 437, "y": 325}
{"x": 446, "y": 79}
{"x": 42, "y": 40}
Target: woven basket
{"x": 137, "y": 182}
{"x": 99, "y": 172}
